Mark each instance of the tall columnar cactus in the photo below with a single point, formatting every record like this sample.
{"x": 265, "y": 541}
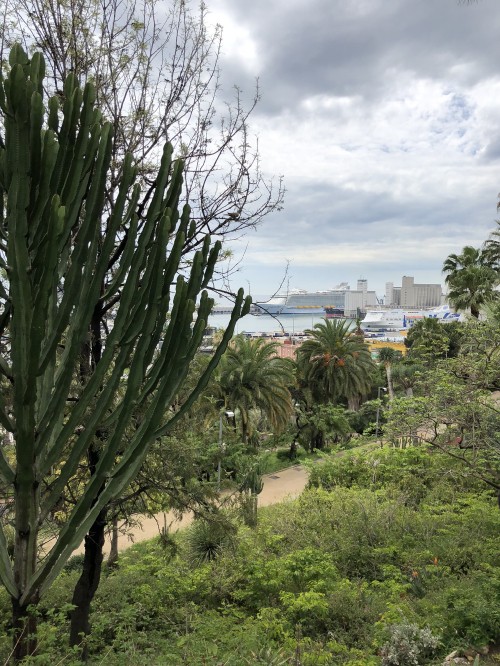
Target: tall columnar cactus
{"x": 57, "y": 244}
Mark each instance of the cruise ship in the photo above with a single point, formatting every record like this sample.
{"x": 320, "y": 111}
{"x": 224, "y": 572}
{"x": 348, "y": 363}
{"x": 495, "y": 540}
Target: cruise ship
{"x": 299, "y": 301}
{"x": 400, "y": 319}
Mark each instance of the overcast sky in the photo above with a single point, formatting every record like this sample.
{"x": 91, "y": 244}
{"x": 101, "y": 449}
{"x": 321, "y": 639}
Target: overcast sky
{"x": 383, "y": 116}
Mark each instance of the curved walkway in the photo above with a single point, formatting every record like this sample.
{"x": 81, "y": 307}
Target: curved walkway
{"x": 287, "y": 483}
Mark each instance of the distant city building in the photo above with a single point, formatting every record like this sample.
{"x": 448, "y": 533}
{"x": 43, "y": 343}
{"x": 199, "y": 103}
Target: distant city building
{"x": 411, "y": 295}
{"x": 358, "y": 301}
{"x": 389, "y": 293}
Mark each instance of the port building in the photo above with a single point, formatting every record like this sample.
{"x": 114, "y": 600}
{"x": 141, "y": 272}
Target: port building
{"x": 413, "y": 295}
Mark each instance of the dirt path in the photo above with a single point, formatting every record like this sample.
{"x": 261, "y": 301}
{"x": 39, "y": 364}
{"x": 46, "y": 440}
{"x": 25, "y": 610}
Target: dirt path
{"x": 287, "y": 483}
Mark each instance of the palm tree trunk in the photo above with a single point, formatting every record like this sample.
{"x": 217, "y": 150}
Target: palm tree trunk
{"x": 474, "y": 310}
{"x": 390, "y": 387}
{"x": 244, "y": 428}
{"x": 353, "y": 403}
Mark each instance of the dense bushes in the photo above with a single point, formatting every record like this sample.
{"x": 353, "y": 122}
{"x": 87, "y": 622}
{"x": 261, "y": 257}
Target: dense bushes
{"x": 391, "y": 555}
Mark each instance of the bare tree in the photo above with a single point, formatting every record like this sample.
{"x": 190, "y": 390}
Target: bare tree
{"x": 156, "y": 72}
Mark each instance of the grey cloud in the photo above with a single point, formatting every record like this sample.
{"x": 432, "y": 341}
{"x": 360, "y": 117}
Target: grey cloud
{"x": 324, "y": 45}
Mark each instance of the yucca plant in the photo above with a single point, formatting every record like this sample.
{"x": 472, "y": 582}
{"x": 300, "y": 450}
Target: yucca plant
{"x": 59, "y": 278}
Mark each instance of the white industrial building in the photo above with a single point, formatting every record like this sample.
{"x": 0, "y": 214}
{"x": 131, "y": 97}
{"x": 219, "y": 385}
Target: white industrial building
{"x": 411, "y": 295}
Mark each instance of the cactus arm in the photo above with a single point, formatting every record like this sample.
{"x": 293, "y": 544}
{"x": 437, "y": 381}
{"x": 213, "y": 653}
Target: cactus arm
{"x": 240, "y": 309}
{"x": 5, "y": 419}
{"x": 212, "y": 259}
{"x": 84, "y": 104}
{"x": 88, "y": 508}
{"x": 157, "y": 371}
{"x": 6, "y": 471}
{"x": 116, "y": 336}
{"x": 43, "y": 285}
{"x": 92, "y": 502}
{"x": 36, "y": 120}
{"x": 155, "y": 208}
{"x": 54, "y": 449}
{"x": 53, "y": 117}
{"x": 24, "y": 394}
{"x": 46, "y": 379}
{"x": 6, "y": 573}
{"x": 168, "y": 275}
{"x": 137, "y": 319}
{"x": 127, "y": 219}
{"x": 18, "y": 198}
{"x": 150, "y": 287}
{"x": 78, "y": 285}
{"x": 82, "y": 173}
{"x": 5, "y": 369}
{"x": 43, "y": 201}
{"x": 73, "y": 98}
{"x": 174, "y": 189}
{"x": 125, "y": 260}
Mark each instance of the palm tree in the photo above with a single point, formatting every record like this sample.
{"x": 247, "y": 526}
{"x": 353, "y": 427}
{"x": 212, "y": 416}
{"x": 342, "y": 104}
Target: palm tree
{"x": 388, "y": 357}
{"x": 335, "y": 364}
{"x": 491, "y": 248}
{"x": 406, "y": 376}
{"x": 471, "y": 279}
{"x": 251, "y": 376}
{"x": 427, "y": 341}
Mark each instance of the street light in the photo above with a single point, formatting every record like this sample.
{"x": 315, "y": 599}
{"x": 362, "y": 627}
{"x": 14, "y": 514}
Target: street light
{"x": 229, "y": 415}
{"x": 380, "y": 388}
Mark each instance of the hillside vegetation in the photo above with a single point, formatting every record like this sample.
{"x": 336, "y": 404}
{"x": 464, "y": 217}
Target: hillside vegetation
{"x": 390, "y": 557}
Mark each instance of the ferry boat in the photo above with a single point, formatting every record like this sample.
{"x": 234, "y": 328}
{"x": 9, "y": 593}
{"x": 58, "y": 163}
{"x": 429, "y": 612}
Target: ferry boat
{"x": 401, "y": 320}
{"x": 334, "y": 313}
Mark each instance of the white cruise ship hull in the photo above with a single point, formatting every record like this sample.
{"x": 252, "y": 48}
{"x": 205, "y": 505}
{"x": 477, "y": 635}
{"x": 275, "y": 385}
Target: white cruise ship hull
{"x": 272, "y": 309}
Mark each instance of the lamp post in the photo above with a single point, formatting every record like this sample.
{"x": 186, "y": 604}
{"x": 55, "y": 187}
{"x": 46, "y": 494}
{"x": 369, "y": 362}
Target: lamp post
{"x": 380, "y": 388}
{"x": 229, "y": 415}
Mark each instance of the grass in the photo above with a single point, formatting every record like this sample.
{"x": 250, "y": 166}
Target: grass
{"x": 274, "y": 461}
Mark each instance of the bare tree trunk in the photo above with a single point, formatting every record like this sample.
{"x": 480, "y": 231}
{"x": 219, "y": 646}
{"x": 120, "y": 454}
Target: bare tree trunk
{"x": 113, "y": 551}
{"x": 87, "y": 583}
{"x": 25, "y": 630}
{"x": 90, "y": 576}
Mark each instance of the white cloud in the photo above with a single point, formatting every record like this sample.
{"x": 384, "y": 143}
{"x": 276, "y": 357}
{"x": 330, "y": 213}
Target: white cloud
{"x": 238, "y": 43}
{"x": 384, "y": 120}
